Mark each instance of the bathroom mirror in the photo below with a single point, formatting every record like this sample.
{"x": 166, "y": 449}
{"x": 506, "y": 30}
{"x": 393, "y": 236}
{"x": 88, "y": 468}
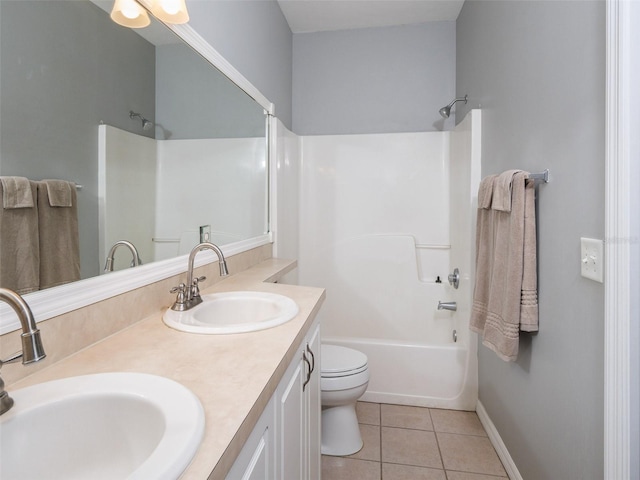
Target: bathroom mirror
{"x": 166, "y": 150}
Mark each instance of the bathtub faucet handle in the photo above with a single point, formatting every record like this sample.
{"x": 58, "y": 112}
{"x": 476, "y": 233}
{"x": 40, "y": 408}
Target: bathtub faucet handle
{"x": 454, "y": 278}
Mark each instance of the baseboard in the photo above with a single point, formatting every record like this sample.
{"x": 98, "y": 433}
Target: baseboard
{"x": 498, "y": 444}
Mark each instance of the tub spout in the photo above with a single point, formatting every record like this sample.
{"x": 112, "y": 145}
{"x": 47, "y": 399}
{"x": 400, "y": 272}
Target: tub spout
{"x": 453, "y": 306}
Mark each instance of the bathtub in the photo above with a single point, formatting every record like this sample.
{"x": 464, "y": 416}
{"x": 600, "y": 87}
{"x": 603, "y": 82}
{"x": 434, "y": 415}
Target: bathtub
{"x": 426, "y": 375}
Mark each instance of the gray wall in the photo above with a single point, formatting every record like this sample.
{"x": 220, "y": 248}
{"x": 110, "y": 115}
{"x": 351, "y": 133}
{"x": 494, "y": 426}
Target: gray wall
{"x": 255, "y": 38}
{"x": 66, "y": 67}
{"x": 374, "y": 80}
{"x": 538, "y": 71}
{"x": 195, "y": 100}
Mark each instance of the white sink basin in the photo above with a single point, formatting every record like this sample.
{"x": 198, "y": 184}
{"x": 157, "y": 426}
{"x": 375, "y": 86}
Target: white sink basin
{"x": 233, "y": 312}
{"x": 103, "y": 426}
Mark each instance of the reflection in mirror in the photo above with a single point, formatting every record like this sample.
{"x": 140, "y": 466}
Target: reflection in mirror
{"x": 168, "y": 151}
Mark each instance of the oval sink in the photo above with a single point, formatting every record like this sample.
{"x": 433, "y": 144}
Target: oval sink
{"x": 103, "y": 426}
{"x": 233, "y": 312}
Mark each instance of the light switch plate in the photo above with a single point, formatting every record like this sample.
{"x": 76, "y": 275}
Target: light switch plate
{"x": 592, "y": 259}
{"x": 205, "y": 233}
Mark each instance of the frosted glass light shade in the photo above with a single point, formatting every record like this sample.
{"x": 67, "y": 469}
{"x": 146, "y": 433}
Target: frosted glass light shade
{"x": 129, "y": 13}
{"x": 170, "y": 11}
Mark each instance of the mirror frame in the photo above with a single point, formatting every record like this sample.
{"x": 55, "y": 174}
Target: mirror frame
{"x": 55, "y": 301}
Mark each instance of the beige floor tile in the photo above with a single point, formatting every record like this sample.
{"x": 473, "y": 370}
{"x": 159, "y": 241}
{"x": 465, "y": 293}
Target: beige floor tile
{"x": 368, "y": 413}
{"x": 452, "y": 421}
{"x": 467, "y": 453}
{"x": 392, "y": 471}
{"x": 371, "y": 443}
{"x": 403, "y": 416}
{"x": 471, "y": 476}
{"x": 410, "y": 447}
{"x": 342, "y": 468}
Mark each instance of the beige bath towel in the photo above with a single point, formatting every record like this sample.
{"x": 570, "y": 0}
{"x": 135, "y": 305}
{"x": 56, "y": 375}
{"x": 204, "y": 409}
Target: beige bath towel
{"x": 59, "y": 241}
{"x": 505, "y": 295}
{"x": 19, "y": 244}
{"x": 16, "y": 193}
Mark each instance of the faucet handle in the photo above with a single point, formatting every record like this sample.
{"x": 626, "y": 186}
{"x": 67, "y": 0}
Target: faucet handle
{"x": 181, "y": 299}
{"x": 195, "y": 289}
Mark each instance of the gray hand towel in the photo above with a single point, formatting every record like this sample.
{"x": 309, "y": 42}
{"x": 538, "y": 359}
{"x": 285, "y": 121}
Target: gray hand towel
{"x": 59, "y": 240}
{"x": 19, "y": 246}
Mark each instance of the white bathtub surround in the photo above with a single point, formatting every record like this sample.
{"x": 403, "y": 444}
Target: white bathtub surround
{"x": 381, "y": 218}
{"x": 228, "y": 174}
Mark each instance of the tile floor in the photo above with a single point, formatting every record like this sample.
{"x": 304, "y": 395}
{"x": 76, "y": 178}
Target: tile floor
{"x": 415, "y": 443}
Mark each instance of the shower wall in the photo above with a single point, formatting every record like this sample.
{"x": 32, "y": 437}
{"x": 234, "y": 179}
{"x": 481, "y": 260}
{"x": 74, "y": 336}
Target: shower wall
{"x": 375, "y": 232}
{"x": 227, "y": 192}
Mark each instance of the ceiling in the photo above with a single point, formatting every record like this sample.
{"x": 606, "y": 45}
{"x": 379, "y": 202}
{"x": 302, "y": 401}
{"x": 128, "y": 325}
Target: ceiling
{"x": 305, "y": 16}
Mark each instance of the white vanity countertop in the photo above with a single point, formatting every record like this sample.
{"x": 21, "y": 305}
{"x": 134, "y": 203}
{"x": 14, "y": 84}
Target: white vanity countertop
{"x": 233, "y": 375}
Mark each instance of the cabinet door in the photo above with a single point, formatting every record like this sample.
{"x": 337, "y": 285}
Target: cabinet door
{"x": 313, "y": 408}
{"x": 256, "y": 460}
{"x": 291, "y": 424}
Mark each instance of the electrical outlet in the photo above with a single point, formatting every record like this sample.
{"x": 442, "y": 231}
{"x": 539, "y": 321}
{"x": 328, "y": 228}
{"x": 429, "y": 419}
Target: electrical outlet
{"x": 205, "y": 233}
{"x": 592, "y": 259}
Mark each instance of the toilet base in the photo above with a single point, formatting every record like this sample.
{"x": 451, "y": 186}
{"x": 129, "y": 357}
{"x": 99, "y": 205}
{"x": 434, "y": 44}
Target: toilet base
{"x": 340, "y": 430}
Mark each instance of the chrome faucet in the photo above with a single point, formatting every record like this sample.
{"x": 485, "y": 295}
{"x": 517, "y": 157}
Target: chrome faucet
{"x": 453, "y": 306}
{"x": 32, "y": 350}
{"x": 108, "y": 266}
{"x": 189, "y": 294}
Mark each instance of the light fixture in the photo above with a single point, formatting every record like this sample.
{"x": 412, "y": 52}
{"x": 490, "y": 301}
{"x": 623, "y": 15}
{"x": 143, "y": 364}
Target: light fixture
{"x": 170, "y": 11}
{"x": 133, "y": 13}
{"x": 129, "y": 13}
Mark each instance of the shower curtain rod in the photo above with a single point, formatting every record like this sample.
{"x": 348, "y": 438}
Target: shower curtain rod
{"x": 544, "y": 176}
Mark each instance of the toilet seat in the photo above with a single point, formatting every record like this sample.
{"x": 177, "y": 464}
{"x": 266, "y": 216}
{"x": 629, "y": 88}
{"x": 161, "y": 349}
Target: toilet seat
{"x": 340, "y": 361}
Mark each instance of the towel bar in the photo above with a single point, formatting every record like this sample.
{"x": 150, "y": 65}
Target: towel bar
{"x": 544, "y": 176}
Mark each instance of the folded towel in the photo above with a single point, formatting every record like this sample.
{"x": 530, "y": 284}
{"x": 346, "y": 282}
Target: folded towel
{"x": 19, "y": 246}
{"x": 60, "y": 192}
{"x": 502, "y": 190}
{"x": 59, "y": 240}
{"x": 505, "y": 294}
{"x": 16, "y": 193}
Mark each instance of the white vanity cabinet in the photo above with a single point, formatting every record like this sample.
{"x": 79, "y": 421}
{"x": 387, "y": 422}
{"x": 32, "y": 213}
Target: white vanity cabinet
{"x": 257, "y": 457}
{"x": 298, "y": 414}
{"x": 285, "y": 443}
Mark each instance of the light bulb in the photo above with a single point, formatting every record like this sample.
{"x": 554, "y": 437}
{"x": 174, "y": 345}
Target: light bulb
{"x": 170, "y": 11}
{"x": 130, "y": 9}
{"x": 170, "y": 6}
{"x": 129, "y": 13}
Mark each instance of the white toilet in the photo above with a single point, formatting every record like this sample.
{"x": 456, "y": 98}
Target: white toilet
{"x": 344, "y": 378}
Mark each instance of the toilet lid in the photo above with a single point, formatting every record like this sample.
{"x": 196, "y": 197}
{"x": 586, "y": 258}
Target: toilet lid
{"x": 341, "y": 361}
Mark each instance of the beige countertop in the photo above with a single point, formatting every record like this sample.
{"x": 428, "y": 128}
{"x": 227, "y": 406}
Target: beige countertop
{"x": 233, "y": 375}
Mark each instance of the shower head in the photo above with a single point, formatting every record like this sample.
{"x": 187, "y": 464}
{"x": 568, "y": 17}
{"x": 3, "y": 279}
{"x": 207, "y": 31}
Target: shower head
{"x": 146, "y": 124}
{"x": 446, "y": 111}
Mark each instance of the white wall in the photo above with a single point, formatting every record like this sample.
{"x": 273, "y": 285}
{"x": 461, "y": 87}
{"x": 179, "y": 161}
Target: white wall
{"x": 285, "y": 223}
